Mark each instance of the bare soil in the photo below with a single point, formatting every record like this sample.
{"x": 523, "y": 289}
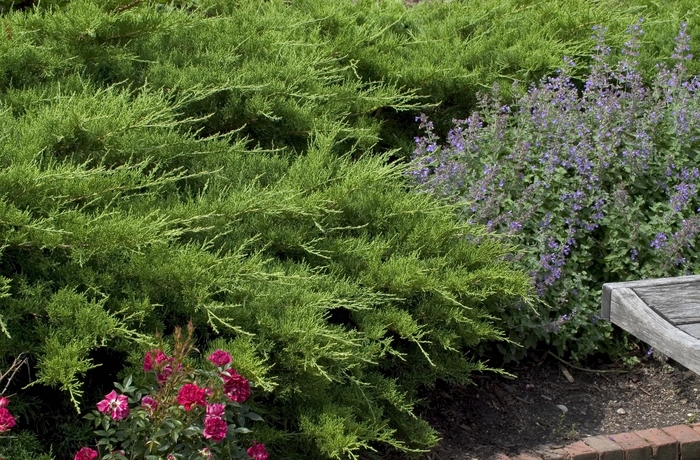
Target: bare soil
{"x": 525, "y": 414}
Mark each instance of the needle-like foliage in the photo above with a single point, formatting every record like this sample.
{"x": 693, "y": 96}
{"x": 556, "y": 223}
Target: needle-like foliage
{"x": 161, "y": 164}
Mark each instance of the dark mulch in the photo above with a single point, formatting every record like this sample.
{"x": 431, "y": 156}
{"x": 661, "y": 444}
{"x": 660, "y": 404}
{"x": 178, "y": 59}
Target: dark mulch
{"x": 501, "y": 415}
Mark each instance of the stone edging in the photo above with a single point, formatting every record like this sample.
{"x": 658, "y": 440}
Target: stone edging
{"x": 678, "y": 442}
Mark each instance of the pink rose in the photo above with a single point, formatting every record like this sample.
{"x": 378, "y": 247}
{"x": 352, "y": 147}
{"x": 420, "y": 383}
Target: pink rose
{"x": 117, "y": 406}
{"x": 4, "y": 401}
{"x": 163, "y": 376}
{"x": 215, "y": 428}
{"x": 236, "y": 387}
{"x": 257, "y": 451}
{"x": 150, "y": 404}
{"x": 190, "y": 394}
{"x": 7, "y": 421}
{"x": 153, "y": 357}
{"x": 156, "y": 359}
{"x": 220, "y": 358}
{"x": 215, "y": 410}
{"x": 86, "y": 454}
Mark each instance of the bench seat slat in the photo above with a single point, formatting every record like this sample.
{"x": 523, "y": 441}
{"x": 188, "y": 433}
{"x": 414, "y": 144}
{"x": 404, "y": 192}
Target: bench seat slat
{"x": 677, "y": 314}
{"x": 679, "y": 302}
{"x": 692, "y": 329}
{"x": 632, "y": 314}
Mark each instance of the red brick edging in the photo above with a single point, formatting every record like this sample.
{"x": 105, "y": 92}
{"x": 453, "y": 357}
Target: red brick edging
{"x": 679, "y": 442}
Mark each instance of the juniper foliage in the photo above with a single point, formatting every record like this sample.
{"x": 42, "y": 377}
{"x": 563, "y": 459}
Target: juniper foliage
{"x": 451, "y": 50}
{"x": 163, "y": 163}
{"x": 445, "y": 51}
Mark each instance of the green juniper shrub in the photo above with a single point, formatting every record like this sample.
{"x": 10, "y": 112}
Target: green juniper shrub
{"x": 338, "y": 291}
{"x": 451, "y": 50}
{"x": 269, "y": 74}
{"x": 156, "y": 169}
{"x": 285, "y": 67}
{"x": 596, "y": 183}
{"x": 162, "y": 162}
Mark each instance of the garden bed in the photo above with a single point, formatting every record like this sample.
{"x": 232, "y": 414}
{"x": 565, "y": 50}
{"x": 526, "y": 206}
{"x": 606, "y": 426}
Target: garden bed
{"x": 510, "y": 416}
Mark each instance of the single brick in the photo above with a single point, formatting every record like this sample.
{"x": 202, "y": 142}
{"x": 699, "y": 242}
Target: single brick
{"x": 664, "y": 447}
{"x": 527, "y": 456}
{"x": 499, "y": 457}
{"x": 606, "y": 448}
{"x": 548, "y": 453}
{"x": 581, "y": 451}
{"x": 688, "y": 441}
{"x": 635, "y": 447}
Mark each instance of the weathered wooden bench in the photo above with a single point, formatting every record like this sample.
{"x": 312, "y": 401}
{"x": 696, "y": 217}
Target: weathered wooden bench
{"x": 664, "y": 312}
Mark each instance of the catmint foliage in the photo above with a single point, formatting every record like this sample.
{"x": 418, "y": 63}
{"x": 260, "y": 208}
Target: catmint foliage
{"x": 596, "y": 180}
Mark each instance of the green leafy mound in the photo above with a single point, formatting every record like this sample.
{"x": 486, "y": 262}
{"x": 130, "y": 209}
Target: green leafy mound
{"x": 151, "y": 174}
{"x": 229, "y": 162}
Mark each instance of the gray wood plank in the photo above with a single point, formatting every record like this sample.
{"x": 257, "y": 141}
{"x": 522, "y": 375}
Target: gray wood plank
{"x": 629, "y": 312}
{"x": 677, "y": 313}
{"x": 605, "y": 307}
{"x": 692, "y": 329}
{"x": 681, "y": 292}
{"x": 656, "y": 281}
{"x": 608, "y": 288}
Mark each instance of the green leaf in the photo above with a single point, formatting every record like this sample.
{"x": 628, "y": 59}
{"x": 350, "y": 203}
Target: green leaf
{"x": 254, "y": 416}
{"x": 162, "y": 432}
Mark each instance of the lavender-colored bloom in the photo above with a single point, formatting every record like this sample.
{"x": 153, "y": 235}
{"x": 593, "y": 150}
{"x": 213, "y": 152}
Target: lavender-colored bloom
{"x": 581, "y": 172}
{"x": 659, "y": 241}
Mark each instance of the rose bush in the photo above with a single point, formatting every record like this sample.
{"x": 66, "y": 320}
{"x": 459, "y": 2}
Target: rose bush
{"x": 7, "y": 421}
{"x": 186, "y": 413}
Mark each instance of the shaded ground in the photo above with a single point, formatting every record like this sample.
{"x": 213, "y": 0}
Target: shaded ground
{"x": 515, "y": 415}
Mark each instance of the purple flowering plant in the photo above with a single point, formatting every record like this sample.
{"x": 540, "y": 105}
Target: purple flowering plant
{"x": 185, "y": 412}
{"x": 595, "y": 180}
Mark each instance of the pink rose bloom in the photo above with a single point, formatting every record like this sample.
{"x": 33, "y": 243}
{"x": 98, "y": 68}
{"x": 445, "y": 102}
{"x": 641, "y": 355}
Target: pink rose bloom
{"x": 236, "y": 388}
{"x": 117, "y": 406}
{"x": 215, "y": 410}
{"x": 86, "y": 454}
{"x": 163, "y": 376}
{"x": 4, "y": 401}
{"x": 220, "y": 358}
{"x": 153, "y": 357}
{"x": 190, "y": 394}
{"x": 257, "y": 451}
{"x": 215, "y": 428}
{"x": 149, "y": 403}
{"x": 7, "y": 421}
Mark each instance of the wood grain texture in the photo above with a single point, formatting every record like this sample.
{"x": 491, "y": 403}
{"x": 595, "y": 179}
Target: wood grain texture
{"x": 679, "y": 303}
{"x": 691, "y": 329}
{"x": 605, "y": 308}
{"x": 656, "y": 282}
{"x": 677, "y": 313}
{"x": 646, "y": 286}
{"x": 629, "y": 312}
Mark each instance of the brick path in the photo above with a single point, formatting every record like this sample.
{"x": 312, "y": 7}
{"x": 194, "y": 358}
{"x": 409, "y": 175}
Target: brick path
{"x": 679, "y": 442}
